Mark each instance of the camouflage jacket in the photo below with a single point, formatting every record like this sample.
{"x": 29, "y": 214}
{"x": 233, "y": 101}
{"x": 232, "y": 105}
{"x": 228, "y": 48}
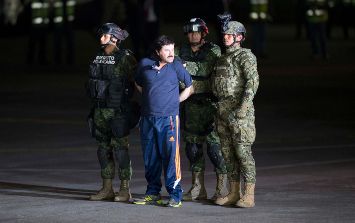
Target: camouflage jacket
{"x": 236, "y": 78}
{"x": 200, "y": 64}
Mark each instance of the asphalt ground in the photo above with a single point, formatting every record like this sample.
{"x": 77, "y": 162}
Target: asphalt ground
{"x": 304, "y": 150}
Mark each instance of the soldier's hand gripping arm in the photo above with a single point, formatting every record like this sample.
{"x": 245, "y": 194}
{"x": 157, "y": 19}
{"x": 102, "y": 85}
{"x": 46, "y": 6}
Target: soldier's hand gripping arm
{"x": 203, "y": 69}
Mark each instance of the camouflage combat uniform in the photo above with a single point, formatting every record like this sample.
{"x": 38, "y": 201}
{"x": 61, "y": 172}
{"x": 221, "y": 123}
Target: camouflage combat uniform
{"x": 198, "y": 109}
{"x": 235, "y": 83}
{"x": 198, "y": 121}
{"x": 109, "y": 82}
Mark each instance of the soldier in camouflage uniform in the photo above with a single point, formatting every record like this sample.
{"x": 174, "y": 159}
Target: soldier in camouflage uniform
{"x": 235, "y": 83}
{"x": 110, "y": 86}
{"x": 200, "y": 57}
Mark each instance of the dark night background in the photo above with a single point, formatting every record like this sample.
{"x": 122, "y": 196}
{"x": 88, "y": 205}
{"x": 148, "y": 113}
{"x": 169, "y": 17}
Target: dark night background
{"x": 305, "y": 106}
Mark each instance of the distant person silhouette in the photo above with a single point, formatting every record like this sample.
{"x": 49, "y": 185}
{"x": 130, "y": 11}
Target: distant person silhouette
{"x": 259, "y": 15}
{"x": 300, "y": 19}
{"x": 62, "y": 15}
{"x": 347, "y": 9}
{"x": 317, "y": 17}
{"x": 38, "y": 32}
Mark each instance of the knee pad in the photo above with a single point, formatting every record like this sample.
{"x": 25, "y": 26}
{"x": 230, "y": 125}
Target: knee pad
{"x": 193, "y": 151}
{"x": 215, "y": 155}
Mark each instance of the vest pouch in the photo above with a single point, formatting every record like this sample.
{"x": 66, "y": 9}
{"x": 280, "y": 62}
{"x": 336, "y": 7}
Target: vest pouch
{"x": 120, "y": 126}
{"x": 194, "y": 110}
{"x": 101, "y": 89}
{"x": 108, "y": 71}
{"x": 115, "y": 93}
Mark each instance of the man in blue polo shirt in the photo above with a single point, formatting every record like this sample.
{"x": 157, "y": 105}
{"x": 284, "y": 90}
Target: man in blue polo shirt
{"x": 157, "y": 78}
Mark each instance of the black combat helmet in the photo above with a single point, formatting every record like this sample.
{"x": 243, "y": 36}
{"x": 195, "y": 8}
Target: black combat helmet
{"x": 196, "y": 25}
{"x": 112, "y": 29}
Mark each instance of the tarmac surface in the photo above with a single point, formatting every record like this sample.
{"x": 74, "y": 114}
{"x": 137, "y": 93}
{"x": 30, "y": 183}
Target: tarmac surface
{"x": 304, "y": 151}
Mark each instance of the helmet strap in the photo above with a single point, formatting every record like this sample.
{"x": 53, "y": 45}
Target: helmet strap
{"x": 109, "y": 49}
{"x": 112, "y": 41}
{"x": 234, "y": 41}
{"x": 201, "y": 42}
{"x": 195, "y": 44}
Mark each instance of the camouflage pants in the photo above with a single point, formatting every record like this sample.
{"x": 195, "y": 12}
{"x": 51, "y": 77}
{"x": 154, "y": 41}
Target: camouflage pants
{"x": 110, "y": 147}
{"x": 198, "y": 125}
{"x": 237, "y": 135}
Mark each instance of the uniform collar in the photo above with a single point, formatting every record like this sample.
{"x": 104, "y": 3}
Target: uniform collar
{"x": 233, "y": 48}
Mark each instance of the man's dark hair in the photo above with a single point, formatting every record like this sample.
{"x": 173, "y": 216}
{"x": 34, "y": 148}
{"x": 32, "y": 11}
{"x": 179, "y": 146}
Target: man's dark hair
{"x": 162, "y": 41}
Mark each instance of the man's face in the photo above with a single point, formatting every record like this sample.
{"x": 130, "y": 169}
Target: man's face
{"x": 194, "y": 37}
{"x": 228, "y": 39}
{"x": 166, "y": 53}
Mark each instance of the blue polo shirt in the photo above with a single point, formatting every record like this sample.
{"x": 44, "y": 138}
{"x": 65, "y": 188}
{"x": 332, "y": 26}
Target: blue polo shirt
{"x": 160, "y": 88}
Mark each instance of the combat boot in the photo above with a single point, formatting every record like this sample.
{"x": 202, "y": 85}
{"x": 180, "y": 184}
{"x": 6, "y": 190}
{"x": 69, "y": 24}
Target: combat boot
{"x": 232, "y": 197}
{"x": 106, "y": 192}
{"x": 247, "y": 200}
{"x": 221, "y": 187}
{"x": 197, "y": 190}
{"x": 124, "y": 194}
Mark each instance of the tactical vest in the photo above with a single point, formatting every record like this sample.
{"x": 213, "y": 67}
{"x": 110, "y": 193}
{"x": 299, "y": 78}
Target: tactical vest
{"x": 317, "y": 11}
{"x": 39, "y": 11}
{"x": 229, "y": 81}
{"x": 107, "y": 87}
{"x": 58, "y": 13}
{"x": 259, "y": 10}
